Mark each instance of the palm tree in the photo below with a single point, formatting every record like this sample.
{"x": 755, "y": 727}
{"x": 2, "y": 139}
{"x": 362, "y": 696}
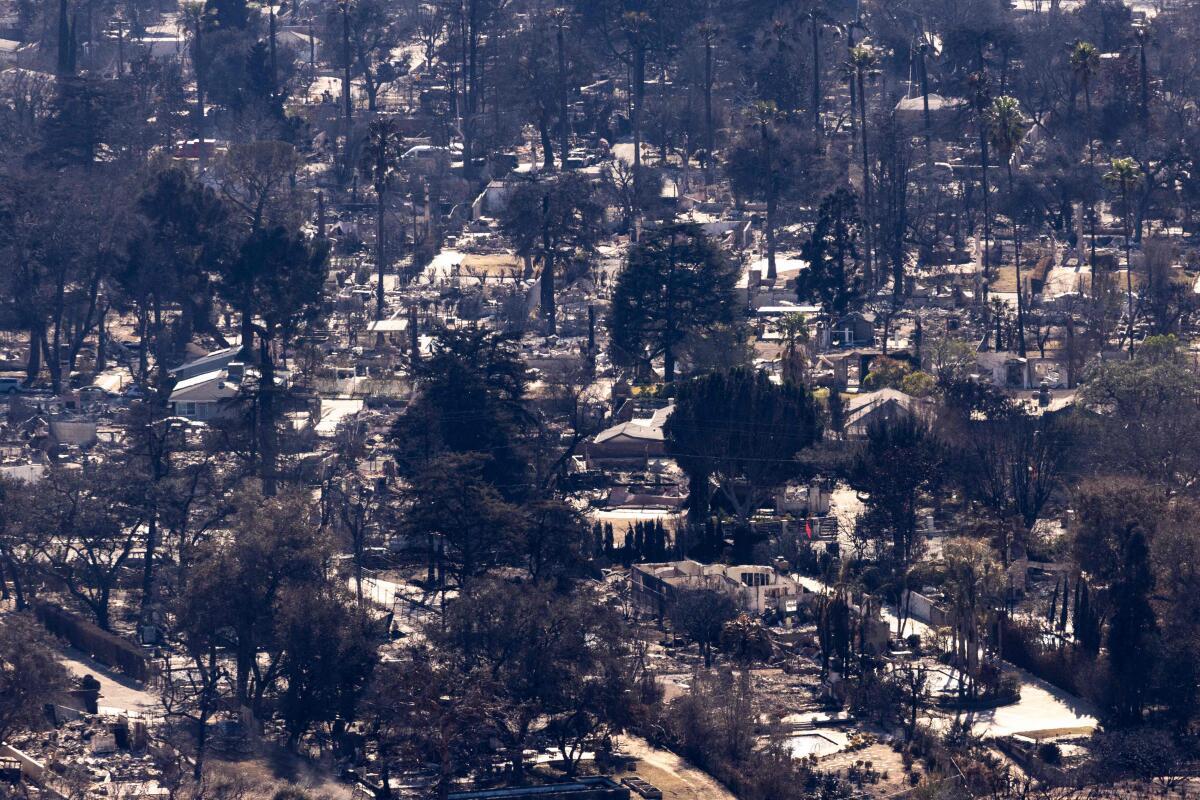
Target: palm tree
{"x": 1006, "y": 128}
{"x": 380, "y": 163}
{"x": 271, "y": 43}
{"x": 777, "y": 42}
{"x": 862, "y": 64}
{"x": 1123, "y": 177}
{"x": 1085, "y": 61}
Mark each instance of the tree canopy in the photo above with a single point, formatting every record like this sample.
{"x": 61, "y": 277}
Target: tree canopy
{"x": 674, "y": 283}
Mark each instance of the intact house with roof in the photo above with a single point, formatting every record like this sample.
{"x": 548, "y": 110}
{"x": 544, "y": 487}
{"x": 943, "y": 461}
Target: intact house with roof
{"x": 204, "y": 386}
{"x": 633, "y": 441}
{"x": 205, "y": 396}
{"x": 211, "y": 362}
{"x": 882, "y": 407}
{"x": 755, "y": 589}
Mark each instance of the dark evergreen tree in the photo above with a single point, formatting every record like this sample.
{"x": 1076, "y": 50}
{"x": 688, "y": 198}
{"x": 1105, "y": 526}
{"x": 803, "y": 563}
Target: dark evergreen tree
{"x": 470, "y": 400}
{"x": 676, "y": 283}
{"x": 745, "y": 431}
{"x": 898, "y": 464}
{"x": 832, "y": 252}
{"x": 1066, "y": 602}
{"x": 276, "y": 282}
{"x": 82, "y": 120}
{"x": 700, "y": 614}
{"x": 66, "y": 41}
{"x": 1087, "y": 622}
{"x": 1131, "y": 643}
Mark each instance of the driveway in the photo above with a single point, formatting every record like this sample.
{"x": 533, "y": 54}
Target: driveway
{"x": 677, "y": 779}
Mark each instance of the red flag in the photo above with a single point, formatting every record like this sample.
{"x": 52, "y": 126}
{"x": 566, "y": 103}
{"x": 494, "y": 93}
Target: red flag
{"x": 808, "y": 527}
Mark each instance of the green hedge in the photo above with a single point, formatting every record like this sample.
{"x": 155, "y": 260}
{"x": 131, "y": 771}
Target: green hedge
{"x": 105, "y": 647}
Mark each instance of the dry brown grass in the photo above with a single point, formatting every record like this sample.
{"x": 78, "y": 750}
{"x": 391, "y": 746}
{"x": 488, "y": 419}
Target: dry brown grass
{"x": 262, "y": 777}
